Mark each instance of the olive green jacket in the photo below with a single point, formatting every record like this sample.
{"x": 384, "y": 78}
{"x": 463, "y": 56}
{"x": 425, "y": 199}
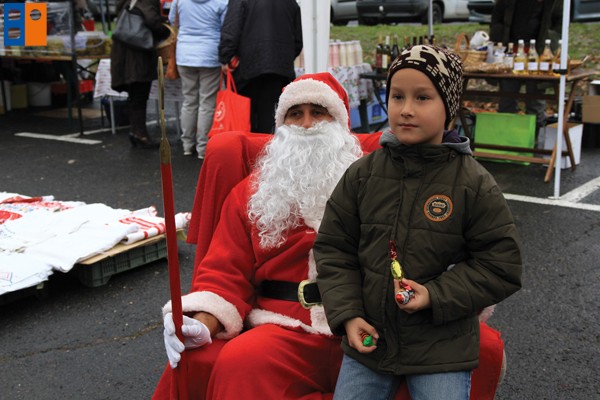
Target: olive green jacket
{"x": 454, "y": 233}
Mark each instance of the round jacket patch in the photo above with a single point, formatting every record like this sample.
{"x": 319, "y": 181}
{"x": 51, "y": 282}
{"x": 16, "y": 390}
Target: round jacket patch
{"x": 438, "y": 207}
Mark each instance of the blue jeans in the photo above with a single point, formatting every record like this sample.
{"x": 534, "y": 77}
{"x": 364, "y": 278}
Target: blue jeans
{"x": 357, "y": 381}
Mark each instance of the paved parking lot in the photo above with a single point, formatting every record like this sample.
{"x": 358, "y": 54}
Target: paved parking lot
{"x": 106, "y": 342}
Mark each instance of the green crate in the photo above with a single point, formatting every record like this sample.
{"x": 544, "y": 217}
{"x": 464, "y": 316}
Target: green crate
{"x": 99, "y": 273}
{"x": 505, "y": 129}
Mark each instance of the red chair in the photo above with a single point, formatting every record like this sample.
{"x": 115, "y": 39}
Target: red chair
{"x": 229, "y": 158}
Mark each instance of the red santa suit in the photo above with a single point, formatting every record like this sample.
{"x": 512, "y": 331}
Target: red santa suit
{"x": 226, "y": 284}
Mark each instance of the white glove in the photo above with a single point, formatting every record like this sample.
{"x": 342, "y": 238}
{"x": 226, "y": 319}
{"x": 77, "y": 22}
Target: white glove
{"x": 195, "y": 334}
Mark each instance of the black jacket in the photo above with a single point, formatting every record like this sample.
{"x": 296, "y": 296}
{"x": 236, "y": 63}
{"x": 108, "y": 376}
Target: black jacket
{"x": 266, "y": 35}
{"x": 550, "y": 23}
{"x": 128, "y": 65}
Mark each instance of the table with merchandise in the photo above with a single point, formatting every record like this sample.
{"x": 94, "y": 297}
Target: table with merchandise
{"x": 490, "y": 91}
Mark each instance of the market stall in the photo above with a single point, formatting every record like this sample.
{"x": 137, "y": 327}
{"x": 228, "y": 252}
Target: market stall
{"x": 478, "y": 91}
{"x": 66, "y": 50}
{"x": 40, "y": 236}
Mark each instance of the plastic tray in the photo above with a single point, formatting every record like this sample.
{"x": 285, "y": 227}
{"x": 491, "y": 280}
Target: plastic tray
{"x": 98, "y": 273}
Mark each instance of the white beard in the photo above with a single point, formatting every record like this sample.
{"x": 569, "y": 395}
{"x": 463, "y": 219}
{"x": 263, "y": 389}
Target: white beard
{"x": 296, "y": 175}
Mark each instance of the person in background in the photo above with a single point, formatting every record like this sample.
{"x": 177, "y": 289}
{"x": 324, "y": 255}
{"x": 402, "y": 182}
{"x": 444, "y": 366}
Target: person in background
{"x": 133, "y": 70}
{"x": 200, "y": 23}
{"x": 526, "y": 19}
{"x": 425, "y": 206}
{"x": 264, "y": 37}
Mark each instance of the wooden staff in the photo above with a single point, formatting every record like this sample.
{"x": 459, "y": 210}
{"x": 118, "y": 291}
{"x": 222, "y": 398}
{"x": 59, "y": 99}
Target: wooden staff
{"x": 180, "y": 373}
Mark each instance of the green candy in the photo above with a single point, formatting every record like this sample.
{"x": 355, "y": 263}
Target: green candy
{"x": 368, "y": 341}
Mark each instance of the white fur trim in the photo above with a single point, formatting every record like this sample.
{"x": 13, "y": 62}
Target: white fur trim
{"x": 312, "y": 266}
{"x": 319, "y": 320}
{"x": 311, "y": 91}
{"x": 486, "y": 313}
{"x": 259, "y": 317}
{"x": 214, "y": 304}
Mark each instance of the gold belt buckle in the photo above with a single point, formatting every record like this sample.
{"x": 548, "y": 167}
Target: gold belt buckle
{"x": 301, "y": 298}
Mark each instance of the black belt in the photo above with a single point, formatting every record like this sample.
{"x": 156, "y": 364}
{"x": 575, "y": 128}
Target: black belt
{"x": 306, "y": 292}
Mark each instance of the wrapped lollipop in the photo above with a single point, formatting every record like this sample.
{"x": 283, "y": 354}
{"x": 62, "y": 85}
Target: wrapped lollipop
{"x": 405, "y": 293}
{"x": 367, "y": 339}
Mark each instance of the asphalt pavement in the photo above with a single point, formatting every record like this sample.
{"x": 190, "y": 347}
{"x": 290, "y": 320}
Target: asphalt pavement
{"x": 77, "y": 342}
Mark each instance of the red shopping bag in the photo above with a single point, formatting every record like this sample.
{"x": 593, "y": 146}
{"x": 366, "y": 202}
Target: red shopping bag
{"x": 232, "y": 112}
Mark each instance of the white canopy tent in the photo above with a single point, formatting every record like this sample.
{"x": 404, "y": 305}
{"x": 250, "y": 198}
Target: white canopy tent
{"x": 315, "y": 34}
{"x": 561, "y": 96}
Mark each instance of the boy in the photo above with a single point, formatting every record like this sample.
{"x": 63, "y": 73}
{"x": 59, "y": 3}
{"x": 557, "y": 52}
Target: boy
{"x": 423, "y": 201}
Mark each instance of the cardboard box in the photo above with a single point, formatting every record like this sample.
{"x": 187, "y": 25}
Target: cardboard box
{"x": 505, "y": 129}
{"x": 590, "y": 109}
{"x": 18, "y": 96}
{"x": 575, "y": 134}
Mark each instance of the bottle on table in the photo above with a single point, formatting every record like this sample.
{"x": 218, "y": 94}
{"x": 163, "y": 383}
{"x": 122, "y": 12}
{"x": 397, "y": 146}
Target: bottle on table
{"x": 546, "y": 59}
{"x": 359, "y": 52}
{"x": 379, "y": 55}
{"x": 520, "y": 62}
{"x": 395, "y": 49}
{"x": 533, "y": 59}
{"x": 343, "y": 53}
{"x": 556, "y": 62}
{"x": 509, "y": 56}
{"x": 386, "y": 55}
{"x": 499, "y": 53}
{"x": 335, "y": 56}
{"x": 351, "y": 53}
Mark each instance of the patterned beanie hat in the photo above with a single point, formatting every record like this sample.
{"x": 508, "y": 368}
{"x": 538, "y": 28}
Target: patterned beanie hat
{"x": 444, "y": 68}
{"x": 321, "y": 88}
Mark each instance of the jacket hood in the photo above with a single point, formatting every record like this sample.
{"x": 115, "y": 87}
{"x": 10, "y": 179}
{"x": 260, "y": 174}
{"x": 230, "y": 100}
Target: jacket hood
{"x": 451, "y": 139}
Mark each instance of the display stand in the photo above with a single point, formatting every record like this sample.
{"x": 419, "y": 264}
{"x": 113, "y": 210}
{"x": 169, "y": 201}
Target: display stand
{"x": 63, "y": 45}
{"x": 572, "y": 78}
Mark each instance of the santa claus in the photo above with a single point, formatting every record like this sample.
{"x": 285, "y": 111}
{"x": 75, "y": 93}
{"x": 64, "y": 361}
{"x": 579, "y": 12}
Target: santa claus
{"x": 246, "y": 320}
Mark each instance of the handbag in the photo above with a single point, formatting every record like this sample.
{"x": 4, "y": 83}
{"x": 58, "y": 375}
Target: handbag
{"x": 132, "y": 31}
{"x": 172, "y": 73}
{"x": 232, "y": 111}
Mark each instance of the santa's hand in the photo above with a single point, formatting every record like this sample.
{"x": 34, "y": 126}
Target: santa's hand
{"x": 195, "y": 334}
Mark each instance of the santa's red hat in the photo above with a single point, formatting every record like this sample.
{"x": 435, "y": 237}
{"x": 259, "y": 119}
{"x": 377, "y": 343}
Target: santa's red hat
{"x": 322, "y": 89}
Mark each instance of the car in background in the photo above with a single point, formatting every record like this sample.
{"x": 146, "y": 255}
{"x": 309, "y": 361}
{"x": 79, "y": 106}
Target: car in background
{"x": 581, "y": 10}
{"x": 343, "y": 11}
{"x": 480, "y": 11}
{"x": 371, "y": 12}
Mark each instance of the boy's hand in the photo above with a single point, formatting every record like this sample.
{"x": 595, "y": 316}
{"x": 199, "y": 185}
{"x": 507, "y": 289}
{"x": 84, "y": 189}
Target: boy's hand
{"x": 356, "y": 328}
{"x": 421, "y": 299}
